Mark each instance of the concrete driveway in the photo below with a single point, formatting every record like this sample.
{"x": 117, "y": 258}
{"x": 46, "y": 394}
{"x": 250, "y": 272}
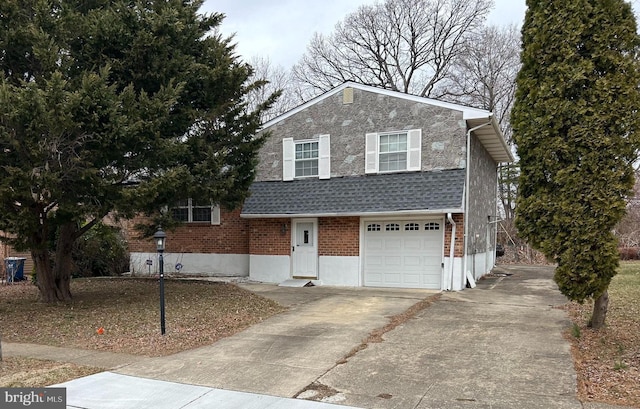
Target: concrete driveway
{"x": 497, "y": 346}
{"x": 285, "y": 353}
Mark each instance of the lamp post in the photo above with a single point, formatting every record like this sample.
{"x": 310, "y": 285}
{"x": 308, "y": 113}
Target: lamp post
{"x": 160, "y": 238}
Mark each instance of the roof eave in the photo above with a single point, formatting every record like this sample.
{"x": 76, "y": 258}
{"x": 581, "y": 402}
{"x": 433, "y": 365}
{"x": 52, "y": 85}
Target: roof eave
{"x": 467, "y": 112}
{"x": 425, "y": 212}
{"x": 497, "y": 146}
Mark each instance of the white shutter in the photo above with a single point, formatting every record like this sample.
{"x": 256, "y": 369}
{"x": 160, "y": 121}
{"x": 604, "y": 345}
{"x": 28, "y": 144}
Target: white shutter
{"x": 324, "y": 157}
{"x": 414, "y": 145}
{"x": 215, "y": 214}
{"x": 288, "y": 159}
{"x": 371, "y": 153}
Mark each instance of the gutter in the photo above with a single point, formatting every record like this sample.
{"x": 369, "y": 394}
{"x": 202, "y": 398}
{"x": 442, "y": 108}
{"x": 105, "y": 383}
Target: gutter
{"x": 466, "y": 196}
{"x": 451, "y": 251}
{"x": 349, "y": 214}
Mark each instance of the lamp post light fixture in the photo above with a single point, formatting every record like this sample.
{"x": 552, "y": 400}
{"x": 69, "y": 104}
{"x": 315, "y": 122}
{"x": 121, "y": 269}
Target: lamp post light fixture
{"x": 160, "y": 239}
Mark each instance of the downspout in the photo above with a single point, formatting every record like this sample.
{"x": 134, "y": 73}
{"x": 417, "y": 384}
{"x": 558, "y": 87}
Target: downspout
{"x": 466, "y": 200}
{"x": 451, "y": 250}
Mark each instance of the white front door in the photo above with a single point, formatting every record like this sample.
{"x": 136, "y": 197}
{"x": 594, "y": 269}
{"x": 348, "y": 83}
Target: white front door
{"x": 305, "y": 248}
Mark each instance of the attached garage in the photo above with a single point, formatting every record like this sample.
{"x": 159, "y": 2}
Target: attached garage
{"x": 403, "y": 253}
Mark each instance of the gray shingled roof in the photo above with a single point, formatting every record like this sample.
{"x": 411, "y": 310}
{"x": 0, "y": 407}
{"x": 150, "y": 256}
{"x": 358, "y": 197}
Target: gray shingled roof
{"x": 433, "y": 191}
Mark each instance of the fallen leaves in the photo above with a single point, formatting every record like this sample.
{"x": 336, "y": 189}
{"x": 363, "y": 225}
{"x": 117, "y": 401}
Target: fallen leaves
{"x": 607, "y": 361}
{"x": 18, "y": 372}
{"x": 123, "y": 315}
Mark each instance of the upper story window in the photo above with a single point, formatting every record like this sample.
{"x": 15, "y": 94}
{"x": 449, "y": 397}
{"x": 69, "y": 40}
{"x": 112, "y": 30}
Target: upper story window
{"x": 393, "y": 151}
{"x": 189, "y": 211}
{"x": 306, "y": 159}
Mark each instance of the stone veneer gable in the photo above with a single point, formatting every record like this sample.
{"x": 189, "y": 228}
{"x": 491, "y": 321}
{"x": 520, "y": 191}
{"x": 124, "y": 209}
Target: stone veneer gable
{"x": 443, "y": 132}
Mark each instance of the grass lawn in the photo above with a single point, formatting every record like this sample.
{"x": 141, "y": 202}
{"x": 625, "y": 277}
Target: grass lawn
{"x": 127, "y": 309}
{"x": 608, "y": 361}
{"x": 18, "y": 372}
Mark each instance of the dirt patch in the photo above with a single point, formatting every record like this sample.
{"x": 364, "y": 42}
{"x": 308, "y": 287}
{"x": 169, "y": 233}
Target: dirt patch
{"x": 319, "y": 391}
{"x": 17, "y": 372}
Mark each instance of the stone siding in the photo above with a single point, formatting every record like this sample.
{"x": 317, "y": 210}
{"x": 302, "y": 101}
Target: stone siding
{"x": 443, "y": 132}
{"x": 482, "y": 199}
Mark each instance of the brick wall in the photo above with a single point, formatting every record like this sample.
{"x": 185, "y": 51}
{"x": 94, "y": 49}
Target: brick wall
{"x": 231, "y": 236}
{"x": 458, "y": 218}
{"x": 270, "y": 237}
{"x": 339, "y": 236}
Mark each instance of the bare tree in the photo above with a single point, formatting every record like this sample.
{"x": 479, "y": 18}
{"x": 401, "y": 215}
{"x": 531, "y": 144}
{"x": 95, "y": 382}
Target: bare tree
{"x": 483, "y": 74}
{"x": 403, "y": 45}
{"x": 628, "y": 230}
{"x": 275, "y": 79}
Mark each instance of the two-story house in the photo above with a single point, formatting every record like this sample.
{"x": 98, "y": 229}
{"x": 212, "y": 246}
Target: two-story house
{"x": 362, "y": 186}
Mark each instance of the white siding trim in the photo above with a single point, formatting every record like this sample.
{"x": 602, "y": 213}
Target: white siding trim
{"x": 371, "y": 160}
{"x": 215, "y": 214}
{"x": 208, "y": 264}
{"x": 324, "y": 157}
{"x": 414, "y": 146}
{"x": 288, "y": 159}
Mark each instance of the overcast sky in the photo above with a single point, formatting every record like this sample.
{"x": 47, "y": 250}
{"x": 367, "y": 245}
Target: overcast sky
{"x": 281, "y": 29}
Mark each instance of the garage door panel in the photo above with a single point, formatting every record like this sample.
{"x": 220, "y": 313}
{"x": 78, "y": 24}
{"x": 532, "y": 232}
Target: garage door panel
{"x": 411, "y": 280}
{"x": 410, "y": 261}
{"x": 410, "y": 258}
{"x": 394, "y": 244}
{"x": 414, "y": 244}
{"x": 375, "y": 244}
{"x": 392, "y": 277}
{"x": 392, "y": 261}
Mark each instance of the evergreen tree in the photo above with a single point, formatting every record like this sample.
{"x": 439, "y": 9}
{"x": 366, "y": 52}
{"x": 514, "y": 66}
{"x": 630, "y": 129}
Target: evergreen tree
{"x": 115, "y": 106}
{"x": 575, "y": 121}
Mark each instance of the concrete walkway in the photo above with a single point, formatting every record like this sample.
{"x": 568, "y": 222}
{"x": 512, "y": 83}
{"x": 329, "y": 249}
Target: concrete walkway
{"x": 499, "y": 345}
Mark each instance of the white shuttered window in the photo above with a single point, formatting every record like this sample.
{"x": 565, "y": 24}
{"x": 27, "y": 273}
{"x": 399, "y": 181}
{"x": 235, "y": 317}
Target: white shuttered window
{"x": 306, "y": 158}
{"x": 393, "y": 151}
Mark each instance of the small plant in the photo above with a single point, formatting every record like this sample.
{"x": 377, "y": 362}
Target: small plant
{"x": 576, "y": 332}
{"x": 619, "y": 365}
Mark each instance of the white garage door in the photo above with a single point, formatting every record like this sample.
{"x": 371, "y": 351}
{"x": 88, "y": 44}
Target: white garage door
{"x": 405, "y": 254}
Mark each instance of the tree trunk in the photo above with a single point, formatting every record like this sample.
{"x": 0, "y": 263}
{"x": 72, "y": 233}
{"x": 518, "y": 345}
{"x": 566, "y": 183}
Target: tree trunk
{"x": 54, "y": 281}
{"x": 600, "y": 307}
